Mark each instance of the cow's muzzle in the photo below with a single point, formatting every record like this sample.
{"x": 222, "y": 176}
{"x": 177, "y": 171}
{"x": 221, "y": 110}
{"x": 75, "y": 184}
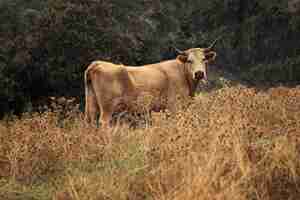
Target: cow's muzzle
{"x": 199, "y": 75}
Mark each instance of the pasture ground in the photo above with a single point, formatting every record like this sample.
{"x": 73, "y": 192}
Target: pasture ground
{"x": 233, "y": 143}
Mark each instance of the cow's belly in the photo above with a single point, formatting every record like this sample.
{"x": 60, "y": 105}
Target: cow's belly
{"x": 140, "y": 101}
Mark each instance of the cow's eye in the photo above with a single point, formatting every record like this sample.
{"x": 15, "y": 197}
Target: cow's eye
{"x": 189, "y": 61}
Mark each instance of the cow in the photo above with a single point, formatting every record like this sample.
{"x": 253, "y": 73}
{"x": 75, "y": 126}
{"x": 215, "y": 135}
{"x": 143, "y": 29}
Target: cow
{"x": 113, "y": 87}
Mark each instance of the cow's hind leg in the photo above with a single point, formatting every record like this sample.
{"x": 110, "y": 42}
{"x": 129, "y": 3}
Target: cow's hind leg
{"x": 91, "y": 105}
{"x": 91, "y": 108}
{"x": 103, "y": 97}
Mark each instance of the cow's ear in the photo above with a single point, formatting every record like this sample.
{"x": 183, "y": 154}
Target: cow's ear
{"x": 210, "y": 56}
{"x": 182, "y": 58}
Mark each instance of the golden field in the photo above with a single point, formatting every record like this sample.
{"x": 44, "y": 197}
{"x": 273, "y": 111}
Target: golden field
{"x": 232, "y": 143}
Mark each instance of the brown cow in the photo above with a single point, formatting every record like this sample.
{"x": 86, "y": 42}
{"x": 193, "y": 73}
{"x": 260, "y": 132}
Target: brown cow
{"x": 110, "y": 87}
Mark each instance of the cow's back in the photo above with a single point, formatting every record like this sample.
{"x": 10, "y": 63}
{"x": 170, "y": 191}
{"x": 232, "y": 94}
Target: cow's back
{"x": 147, "y": 79}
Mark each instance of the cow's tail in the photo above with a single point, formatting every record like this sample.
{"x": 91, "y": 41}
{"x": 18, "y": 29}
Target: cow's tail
{"x": 87, "y": 83}
{"x": 89, "y": 91}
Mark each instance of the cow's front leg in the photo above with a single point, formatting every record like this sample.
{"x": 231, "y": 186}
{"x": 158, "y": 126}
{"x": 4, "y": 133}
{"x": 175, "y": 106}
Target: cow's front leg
{"x": 106, "y": 114}
{"x": 105, "y": 119}
{"x": 104, "y": 122}
{"x": 171, "y": 105}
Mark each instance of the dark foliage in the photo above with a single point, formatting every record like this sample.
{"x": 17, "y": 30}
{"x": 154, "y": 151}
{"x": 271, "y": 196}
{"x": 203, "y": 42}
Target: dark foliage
{"x": 46, "y": 45}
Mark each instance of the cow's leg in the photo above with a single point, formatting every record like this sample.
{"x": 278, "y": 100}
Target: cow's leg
{"x": 100, "y": 99}
{"x": 171, "y": 104}
{"x": 105, "y": 117}
{"x": 91, "y": 108}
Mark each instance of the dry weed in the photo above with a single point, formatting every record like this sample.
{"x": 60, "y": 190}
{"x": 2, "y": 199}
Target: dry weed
{"x": 233, "y": 143}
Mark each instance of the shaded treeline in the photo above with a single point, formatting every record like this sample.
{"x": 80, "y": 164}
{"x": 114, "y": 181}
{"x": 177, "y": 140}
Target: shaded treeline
{"x": 46, "y": 45}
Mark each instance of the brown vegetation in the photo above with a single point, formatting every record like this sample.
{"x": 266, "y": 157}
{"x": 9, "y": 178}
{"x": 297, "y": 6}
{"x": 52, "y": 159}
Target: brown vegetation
{"x": 233, "y": 143}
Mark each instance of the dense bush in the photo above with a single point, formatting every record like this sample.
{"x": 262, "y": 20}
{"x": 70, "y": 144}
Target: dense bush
{"x": 46, "y": 45}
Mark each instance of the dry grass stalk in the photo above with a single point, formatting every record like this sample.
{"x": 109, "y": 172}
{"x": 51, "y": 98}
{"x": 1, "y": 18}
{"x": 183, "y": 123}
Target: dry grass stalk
{"x": 234, "y": 143}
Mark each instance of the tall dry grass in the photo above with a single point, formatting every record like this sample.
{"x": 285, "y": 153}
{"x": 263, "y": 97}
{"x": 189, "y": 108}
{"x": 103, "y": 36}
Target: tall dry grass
{"x": 234, "y": 143}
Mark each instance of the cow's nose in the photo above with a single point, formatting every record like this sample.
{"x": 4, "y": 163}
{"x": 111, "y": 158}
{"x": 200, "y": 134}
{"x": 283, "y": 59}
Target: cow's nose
{"x": 199, "y": 75}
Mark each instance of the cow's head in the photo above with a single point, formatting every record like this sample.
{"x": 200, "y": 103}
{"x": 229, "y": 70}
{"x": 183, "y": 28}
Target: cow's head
{"x": 198, "y": 59}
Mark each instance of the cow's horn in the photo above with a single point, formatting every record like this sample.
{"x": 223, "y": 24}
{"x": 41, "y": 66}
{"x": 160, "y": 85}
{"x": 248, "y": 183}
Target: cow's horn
{"x": 213, "y": 44}
{"x": 179, "y": 51}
